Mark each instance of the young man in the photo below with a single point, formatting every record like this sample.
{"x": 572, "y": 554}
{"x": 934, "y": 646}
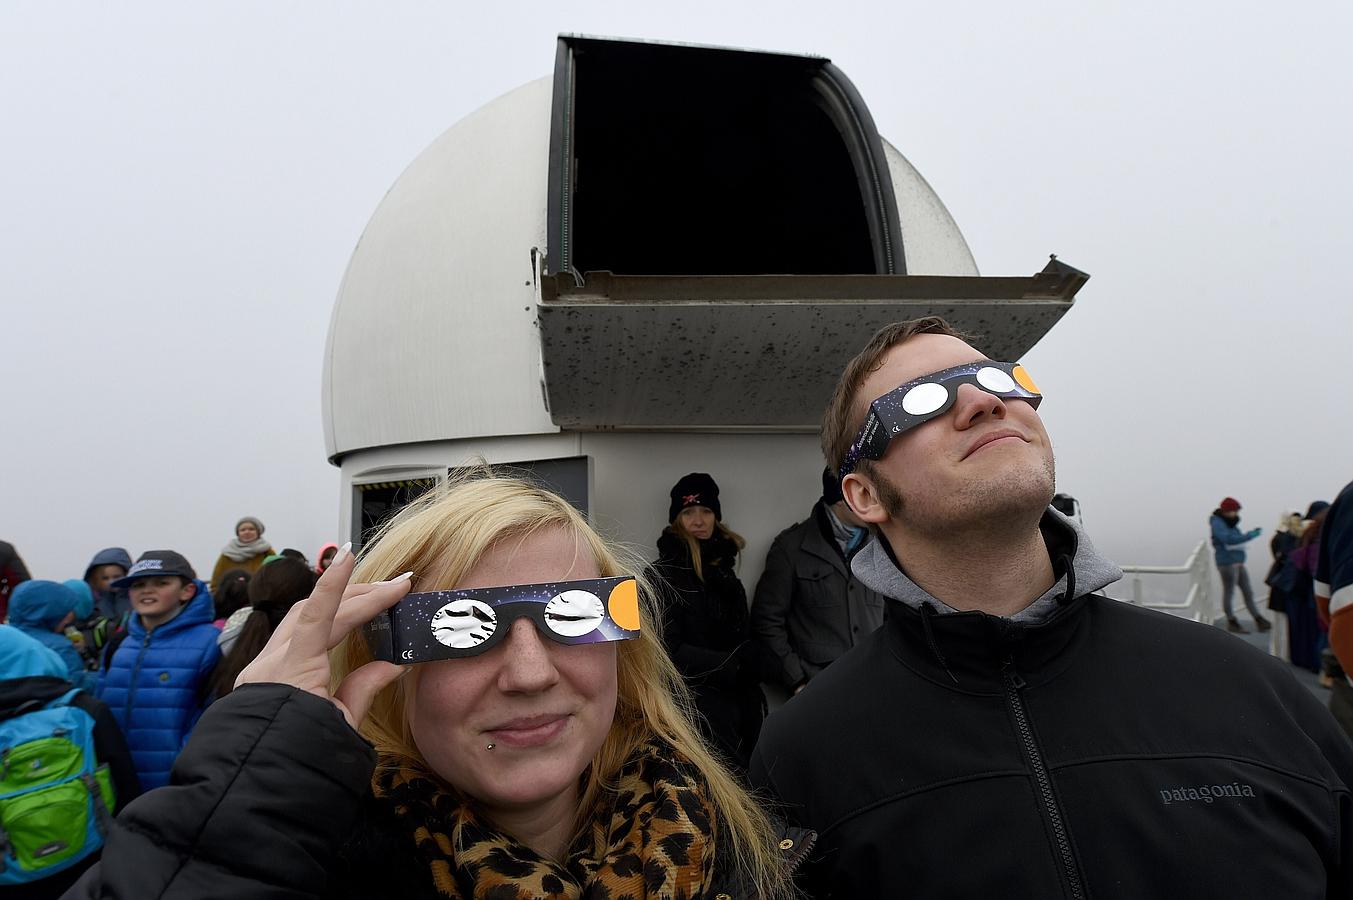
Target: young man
{"x": 1008, "y": 731}
{"x": 155, "y": 682}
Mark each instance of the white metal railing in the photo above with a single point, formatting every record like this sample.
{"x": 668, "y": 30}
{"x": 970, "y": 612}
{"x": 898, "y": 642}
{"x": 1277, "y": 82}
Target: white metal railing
{"x": 1198, "y": 603}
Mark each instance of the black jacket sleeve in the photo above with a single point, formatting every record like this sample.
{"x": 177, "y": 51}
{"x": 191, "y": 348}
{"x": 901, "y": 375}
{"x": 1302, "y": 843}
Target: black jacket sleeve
{"x": 259, "y": 804}
{"x": 111, "y": 748}
{"x": 770, "y": 616}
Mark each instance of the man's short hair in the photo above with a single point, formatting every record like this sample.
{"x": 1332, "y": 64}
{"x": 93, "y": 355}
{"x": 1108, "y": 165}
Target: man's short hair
{"x": 846, "y": 411}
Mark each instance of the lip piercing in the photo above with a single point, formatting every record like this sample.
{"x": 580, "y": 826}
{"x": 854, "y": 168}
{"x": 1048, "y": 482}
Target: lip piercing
{"x": 489, "y": 747}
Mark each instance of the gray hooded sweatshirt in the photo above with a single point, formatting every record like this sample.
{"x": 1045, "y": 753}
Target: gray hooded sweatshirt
{"x": 1091, "y": 572}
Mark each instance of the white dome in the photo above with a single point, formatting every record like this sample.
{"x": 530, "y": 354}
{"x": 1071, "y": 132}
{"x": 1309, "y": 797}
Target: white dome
{"x": 437, "y": 331}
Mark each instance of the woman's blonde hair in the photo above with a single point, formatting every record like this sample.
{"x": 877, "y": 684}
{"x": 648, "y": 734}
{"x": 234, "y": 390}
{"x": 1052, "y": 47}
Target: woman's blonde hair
{"x": 441, "y": 536}
{"x": 693, "y": 544}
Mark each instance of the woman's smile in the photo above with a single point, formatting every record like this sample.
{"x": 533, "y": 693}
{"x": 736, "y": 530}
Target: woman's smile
{"x": 533, "y": 731}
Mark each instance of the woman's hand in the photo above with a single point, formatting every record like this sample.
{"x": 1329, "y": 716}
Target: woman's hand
{"x": 298, "y": 651}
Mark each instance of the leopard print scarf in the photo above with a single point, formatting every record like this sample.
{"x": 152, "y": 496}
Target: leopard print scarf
{"x": 656, "y": 840}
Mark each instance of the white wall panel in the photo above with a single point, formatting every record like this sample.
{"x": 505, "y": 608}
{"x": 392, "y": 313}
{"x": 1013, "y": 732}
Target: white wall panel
{"x": 433, "y": 334}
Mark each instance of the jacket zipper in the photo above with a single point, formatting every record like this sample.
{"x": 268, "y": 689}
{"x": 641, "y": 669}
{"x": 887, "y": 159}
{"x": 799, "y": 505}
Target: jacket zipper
{"x": 801, "y": 852}
{"x": 136, "y": 673}
{"x": 1014, "y": 684}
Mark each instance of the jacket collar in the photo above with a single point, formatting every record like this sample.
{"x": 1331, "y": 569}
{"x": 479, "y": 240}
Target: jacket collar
{"x": 819, "y": 542}
{"x": 957, "y": 646}
{"x": 876, "y": 568}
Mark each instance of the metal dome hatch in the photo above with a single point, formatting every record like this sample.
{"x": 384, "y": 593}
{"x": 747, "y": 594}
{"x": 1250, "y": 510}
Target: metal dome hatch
{"x": 670, "y": 159}
{"x": 724, "y": 235}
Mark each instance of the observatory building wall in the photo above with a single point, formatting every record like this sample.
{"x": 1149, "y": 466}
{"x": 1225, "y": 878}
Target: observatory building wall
{"x": 767, "y": 481}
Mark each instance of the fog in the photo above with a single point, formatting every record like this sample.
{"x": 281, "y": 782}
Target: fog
{"x": 183, "y": 185}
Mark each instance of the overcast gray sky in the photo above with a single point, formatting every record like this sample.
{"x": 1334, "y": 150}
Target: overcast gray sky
{"x": 181, "y": 186}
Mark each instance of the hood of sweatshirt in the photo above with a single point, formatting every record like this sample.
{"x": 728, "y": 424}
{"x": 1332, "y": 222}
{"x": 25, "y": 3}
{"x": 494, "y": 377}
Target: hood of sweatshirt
{"x": 110, "y": 556}
{"x": 1088, "y": 572}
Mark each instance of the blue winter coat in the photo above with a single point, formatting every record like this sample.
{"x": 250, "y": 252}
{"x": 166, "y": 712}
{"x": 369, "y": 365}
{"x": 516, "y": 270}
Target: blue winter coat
{"x": 22, "y": 657}
{"x": 1226, "y": 541}
{"x": 155, "y": 685}
{"x": 35, "y": 608}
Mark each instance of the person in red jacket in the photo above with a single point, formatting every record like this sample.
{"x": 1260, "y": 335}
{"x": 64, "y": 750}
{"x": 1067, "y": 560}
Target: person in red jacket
{"x": 12, "y": 573}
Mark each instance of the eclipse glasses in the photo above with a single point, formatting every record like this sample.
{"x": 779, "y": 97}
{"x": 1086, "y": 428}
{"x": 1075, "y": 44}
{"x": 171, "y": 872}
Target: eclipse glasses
{"x": 930, "y": 396}
{"x": 454, "y": 624}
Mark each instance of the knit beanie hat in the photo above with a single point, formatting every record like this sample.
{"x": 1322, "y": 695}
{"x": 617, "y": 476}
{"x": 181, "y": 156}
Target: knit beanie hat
{"x": 250, "y": 519}
{"x": 1229, "y": 504}
{"x": 831, "y": 487}
{"x": 1316, "y": 508}
{"x": 695, "y": 489}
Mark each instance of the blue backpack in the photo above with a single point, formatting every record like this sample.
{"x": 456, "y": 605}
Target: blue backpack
{"x": 54, "y": 794}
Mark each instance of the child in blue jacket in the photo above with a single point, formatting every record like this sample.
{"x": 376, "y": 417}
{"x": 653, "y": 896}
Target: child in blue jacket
{"x": 155, "y": 681}
{"x": 42, "y": 610}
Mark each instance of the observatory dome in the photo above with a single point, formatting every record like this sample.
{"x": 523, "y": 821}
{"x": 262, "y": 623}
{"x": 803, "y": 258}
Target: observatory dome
{"x": 654, "y": 262}
{"x": 553, "y": 259}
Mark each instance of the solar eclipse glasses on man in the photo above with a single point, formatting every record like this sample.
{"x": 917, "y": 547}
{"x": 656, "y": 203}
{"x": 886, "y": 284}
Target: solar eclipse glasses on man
{"x": 453, "y": 624}
{"x": 930, "y": 396}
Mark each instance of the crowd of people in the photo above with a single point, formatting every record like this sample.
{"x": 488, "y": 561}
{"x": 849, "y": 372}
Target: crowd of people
{"x": 965, "y": 711}
{"x": 1299, "y": 627}
{"x": 132, "y": 653}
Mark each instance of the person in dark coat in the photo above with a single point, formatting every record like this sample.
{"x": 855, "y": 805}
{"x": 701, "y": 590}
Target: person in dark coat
{"x": 1286, "y": 537}
{"x": 807, "y": 609}
{"x": 705, "y": 621}
{"x": 1307, "y": 635}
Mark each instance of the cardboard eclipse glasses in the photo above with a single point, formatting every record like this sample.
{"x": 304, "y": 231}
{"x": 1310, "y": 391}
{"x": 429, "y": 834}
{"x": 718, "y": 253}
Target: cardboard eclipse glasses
{"x": 929, "y": 396}
{"x": 433, "y": 625}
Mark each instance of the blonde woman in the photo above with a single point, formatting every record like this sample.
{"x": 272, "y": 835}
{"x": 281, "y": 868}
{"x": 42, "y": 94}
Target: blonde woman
{"x": 531, "y": 769}
{"x": 705, "y": 620}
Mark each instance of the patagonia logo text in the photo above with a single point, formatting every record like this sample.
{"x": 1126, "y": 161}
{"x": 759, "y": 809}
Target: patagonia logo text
{"x": 1206, "y": 793}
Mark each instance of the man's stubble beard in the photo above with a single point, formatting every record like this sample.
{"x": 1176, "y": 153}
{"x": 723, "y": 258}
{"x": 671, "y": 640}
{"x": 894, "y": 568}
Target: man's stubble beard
{"x": 975, "y": 506}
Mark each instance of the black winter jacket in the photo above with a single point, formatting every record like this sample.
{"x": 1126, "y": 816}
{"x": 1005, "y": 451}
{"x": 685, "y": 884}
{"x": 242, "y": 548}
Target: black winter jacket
{"x": 1106, "y": 751}
{"x": 706, "y": 632}
{"x": 807, "y": 610}
{"x": 271, "y": 798}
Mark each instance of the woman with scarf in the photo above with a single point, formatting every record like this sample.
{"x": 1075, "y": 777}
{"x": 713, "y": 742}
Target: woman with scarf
{"x": 705, "y": 619}
{"x": 530, "y": 768}
{"x": 246, "y": 551}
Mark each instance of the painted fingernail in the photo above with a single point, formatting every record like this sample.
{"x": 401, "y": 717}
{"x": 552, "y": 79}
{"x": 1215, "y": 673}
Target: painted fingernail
{"x": 342, "y": 554}
{"x": 405, "y": 577}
